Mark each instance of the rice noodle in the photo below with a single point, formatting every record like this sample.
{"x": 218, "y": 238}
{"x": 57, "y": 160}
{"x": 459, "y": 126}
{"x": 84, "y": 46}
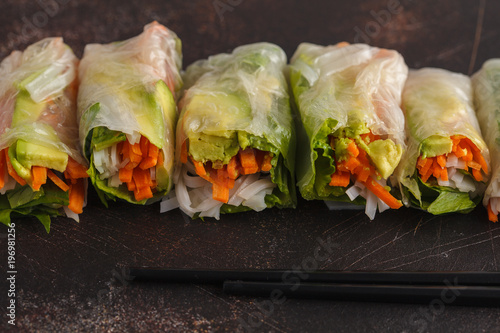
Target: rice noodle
{"x": 168, "y": 204}
{"x": 72, "y": 215}
{"x": 193, "y": 194}
{"x": 371, "y": 205}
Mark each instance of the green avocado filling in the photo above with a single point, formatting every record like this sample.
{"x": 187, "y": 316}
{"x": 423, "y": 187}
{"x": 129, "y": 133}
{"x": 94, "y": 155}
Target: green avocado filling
{"x": 436, "y": 145}
{"x": 383, "y": 153}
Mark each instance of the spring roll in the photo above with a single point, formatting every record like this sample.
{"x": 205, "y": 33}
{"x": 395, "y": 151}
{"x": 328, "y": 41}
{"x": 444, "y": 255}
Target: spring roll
{"x": 42, "y": 172}
{"x": 445, "y": 166}
{"x": 351, "y": 134}
{"x": 127, "y": 114}
{"x": 235, "y": 135}
{"x": 486, "y": 84}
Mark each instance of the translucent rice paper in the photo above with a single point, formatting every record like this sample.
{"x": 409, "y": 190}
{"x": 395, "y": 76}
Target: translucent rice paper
{"x": 253, "y": 73}
{"x": 436, "y": 102}
{"x": 117, "y": 76}
{"x": 486, "y": 84}
{"x": 346, "y": 85}
{"x": 47, "y": 70}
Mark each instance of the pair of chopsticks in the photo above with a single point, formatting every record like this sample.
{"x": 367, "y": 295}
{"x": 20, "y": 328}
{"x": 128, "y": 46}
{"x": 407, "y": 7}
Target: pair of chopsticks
{"x": 450, "y": 288}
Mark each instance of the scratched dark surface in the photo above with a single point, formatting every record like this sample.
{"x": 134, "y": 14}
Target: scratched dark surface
{"x": 71, "y": 280}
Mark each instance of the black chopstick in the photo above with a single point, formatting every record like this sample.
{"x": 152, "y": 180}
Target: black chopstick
{"x": 452, "y": 278}
{"x": 415, "y": 294}
{"x": 420, "y": 287}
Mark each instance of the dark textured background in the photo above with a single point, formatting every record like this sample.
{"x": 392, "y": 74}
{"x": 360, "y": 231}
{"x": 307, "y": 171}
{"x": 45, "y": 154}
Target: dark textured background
{"x": 72, "y": 280}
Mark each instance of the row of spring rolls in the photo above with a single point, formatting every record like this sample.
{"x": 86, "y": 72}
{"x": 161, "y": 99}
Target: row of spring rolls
{"x": 369, "y": 131}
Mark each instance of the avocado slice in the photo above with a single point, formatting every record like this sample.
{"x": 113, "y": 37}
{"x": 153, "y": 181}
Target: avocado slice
{"x": 26, "y": 110}
{"x": 29, "y": 154}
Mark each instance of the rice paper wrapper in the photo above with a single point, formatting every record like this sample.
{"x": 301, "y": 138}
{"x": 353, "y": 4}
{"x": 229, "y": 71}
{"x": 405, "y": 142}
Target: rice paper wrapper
{"x": 340, "y": 86}
{"x": 245, "y": 94}
{"x": 38, "y": 90}
{"x": 120, "y": 89}
{"x": 486, "y": 84}
{"x": 436, "y": 102}
{"x": 47, "y": 72}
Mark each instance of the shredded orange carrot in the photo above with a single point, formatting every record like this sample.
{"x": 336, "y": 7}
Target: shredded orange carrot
{"x": 491, "y": 216}
{"x": 233, "y": 168}
{"x": 141, "y": 193}
{"x": 58, "y": 181}
{"x": 77, "y": 196}
{"x": 266, "y": 162}
{"x": 352, "y": 149}
{"x": 220, "y": 192}
{"x": 125, "y": 175}
{"x": 480, "y": 159}
{"x": 75, "y": 169}
{"x": 441, "y": 161}
{"x": 143, "y": 183}
{"x": 248, "y": 161}
{"x": 340, "y": 178}
{"x": 144, "y": 146}
{"x": 477, "y": 175}
{"x": 151, "y": 159}
{"x": 39, "y": 177}
{"x": 382, "y": 193}
{"x": 465, "y": 150}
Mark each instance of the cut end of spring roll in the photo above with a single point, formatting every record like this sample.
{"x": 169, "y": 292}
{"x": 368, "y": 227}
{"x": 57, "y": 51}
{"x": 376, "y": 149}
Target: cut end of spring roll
{"x": 235, "y": 136}
{"x": 128, "y": 112}
{"x": 446, "y": 165}
{"x": 351, "y": 124}
{"x": 42, "y": 173}
{"x": 486, "y": 85}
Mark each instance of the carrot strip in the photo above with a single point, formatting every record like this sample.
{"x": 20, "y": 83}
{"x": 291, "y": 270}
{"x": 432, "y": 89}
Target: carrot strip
{"x": 144, "y": 145}
{"x": 248, "y": 161}
{"x": 233, "y": 168}
{"x": 382, "y": 194}
{"x": 363, "y": 173}
{"x": 436, "y": 169}
{"x": 352, "y": 163}
{"x": 39, "y": 176}
{"x": 220, "y": 192}
{"x": 77, "y": 197}
{"x": 266, "y": 163}
{"x": 12, "y": 172}
{"x": 131, "y": 186}
{"x": 125, "y": 175}
{"x": 58, "y": 181}
{"x": 444, "y": 174}
{"x": 477, "y": 175}
{"x": 421, "y": 162}
{"x": 199, "y": 168}
{"x": 425, "y": 169}
{"x": 75, "y": 169}
{"x": 152, "y": 158}
{"x": 184, "y": 152}
{"x": 141, "y": 178}
{"x": 340, "y": 178}
{"x": 426, "y": 176}
{"x": 441, "y": 160}
{"x": 474, "y": 165}
{"x": 141, "y": 193}
{"x": 491, "y": 216}
{"x": 480, "y": 159}
{"x": 352, "y": 148}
